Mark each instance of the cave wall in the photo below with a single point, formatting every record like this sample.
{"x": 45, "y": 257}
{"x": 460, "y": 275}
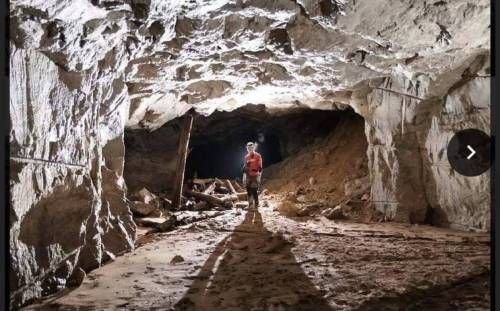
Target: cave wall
{"x": 69, "y": 105}
{"x": 150, "y": 158}
{"x": 409, "y": 123}
{"x": 68, "y": 207}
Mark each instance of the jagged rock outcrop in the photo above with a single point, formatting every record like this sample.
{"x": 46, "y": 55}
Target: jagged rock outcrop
{"x": 82, "y": 71}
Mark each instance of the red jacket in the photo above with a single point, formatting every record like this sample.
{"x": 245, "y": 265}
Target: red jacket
{"x": 253, "y": 164}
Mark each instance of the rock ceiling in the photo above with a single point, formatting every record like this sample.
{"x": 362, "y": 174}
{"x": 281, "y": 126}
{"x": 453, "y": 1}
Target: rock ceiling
{"x": 174, "y": 55}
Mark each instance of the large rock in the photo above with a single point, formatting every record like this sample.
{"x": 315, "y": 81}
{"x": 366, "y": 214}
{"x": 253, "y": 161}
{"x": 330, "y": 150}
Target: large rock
{"x": 146, "y": 196}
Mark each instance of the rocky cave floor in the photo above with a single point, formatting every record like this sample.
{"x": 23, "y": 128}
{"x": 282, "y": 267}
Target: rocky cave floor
{"x": 247, "y": 259}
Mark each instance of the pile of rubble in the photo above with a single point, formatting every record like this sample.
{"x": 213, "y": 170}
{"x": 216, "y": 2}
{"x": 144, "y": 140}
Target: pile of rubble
{"x": 355, "y": 204}
{"x": 213, "y": 193}
{"x": 207, "y": 197}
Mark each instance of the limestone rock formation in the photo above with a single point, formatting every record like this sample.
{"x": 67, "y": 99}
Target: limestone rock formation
{"x": 83, "y": 71}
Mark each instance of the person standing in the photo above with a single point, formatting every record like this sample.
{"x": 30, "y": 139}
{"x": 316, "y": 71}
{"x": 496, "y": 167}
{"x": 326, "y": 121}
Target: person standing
{"x": 252, "y": 173}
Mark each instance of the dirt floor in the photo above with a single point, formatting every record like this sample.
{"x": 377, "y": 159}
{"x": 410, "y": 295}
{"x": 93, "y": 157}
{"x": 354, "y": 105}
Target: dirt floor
{"x": 261, "y": 260}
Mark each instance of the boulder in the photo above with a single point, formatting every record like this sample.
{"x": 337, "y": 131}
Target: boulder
{"x": 142, "y": 209}
{"x": 146, "y": 196}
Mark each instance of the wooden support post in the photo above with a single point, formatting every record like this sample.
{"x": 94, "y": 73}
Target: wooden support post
{"x": 182, "y": 150}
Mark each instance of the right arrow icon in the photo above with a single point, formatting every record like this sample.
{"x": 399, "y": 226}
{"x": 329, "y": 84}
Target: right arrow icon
{"x": 472, "y": 152}
{"x": 469, "y": 152}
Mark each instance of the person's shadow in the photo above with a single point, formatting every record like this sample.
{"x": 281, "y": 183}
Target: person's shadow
{"x": 252, "y": 269}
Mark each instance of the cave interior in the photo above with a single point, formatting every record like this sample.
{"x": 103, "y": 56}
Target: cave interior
{"x": 129, "y": 124}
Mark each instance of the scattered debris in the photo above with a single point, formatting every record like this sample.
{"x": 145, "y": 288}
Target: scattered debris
{"x": 177, "y": 259}
{"x": 168, "y": 224}
{"x": 215, "y": 193}
{"x": 317, "y": 178}
{"x": 334, "y": 213}
{"x": 201, "y": 195}
{"x": 241, "y": 205}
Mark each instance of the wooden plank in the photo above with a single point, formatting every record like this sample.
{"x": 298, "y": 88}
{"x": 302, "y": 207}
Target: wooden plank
{"x": 238, "y": 186}
{"x": 230, "y": 186}
{"x": 210, "y": 189}
{"x": 206, "y": 197}
{"x": 182, "y": 149}
{"x": 202, "y": 181}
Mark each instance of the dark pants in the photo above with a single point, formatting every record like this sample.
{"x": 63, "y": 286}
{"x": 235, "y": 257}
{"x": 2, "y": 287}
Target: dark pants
{"x": 252, "y": 186}
{"x": 253, "y": 193}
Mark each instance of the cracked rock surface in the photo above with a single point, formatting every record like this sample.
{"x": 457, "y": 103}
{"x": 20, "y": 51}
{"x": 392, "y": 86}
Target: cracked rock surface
{"x": 83, "y": 71}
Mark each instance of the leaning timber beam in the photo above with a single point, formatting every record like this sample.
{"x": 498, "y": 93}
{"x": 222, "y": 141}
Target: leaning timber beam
{"x": 230, "y": 186}
{"x": 182, "y": 150}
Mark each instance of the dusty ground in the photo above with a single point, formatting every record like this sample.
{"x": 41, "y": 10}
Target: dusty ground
{"x": 260, "y": 260}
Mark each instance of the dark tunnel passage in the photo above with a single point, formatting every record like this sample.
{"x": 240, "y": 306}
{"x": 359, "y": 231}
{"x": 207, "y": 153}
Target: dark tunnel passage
{"x": 218, "y": 143}
{"x": 225, "y": 159}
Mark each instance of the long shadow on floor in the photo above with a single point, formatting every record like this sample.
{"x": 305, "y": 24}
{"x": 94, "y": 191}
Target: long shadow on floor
{"x": 252, "y": 269}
